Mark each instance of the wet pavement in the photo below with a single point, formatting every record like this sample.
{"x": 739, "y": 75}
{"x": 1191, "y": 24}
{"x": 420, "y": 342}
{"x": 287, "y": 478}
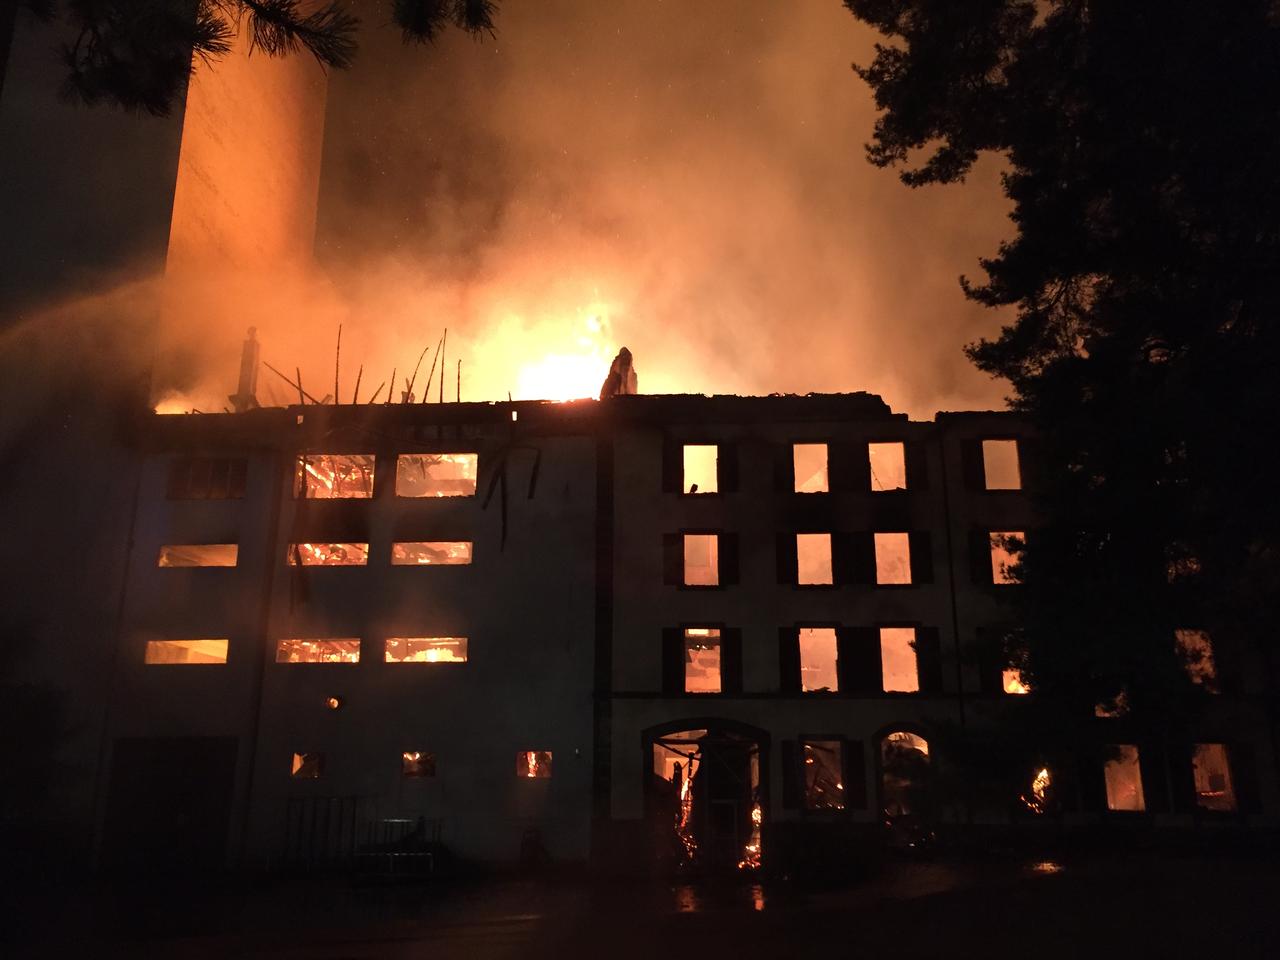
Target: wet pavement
{"x": 1132, "y": 906}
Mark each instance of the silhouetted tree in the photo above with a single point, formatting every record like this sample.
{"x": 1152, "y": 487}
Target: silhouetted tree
{"x": 1141, "y": 144}
{"x": 138, "y": 54}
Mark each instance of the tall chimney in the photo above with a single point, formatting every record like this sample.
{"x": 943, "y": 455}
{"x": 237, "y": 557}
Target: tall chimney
{"x": 246, "y": 395}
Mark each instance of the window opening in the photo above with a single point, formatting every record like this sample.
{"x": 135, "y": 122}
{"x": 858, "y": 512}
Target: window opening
{"x": 819, "y": 660}
{"x": 700, "y": 468}
{"x": 888, "y": 466}
{"x": 333, "y": 476}
{"x": 199, "y": 555}
{"x": 436, "y": 474}
{"x": 898, "y": 661}
{"x": 809, "y": 466}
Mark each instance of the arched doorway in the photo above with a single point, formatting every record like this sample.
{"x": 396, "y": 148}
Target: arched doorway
{"x": 705, "y": 796}
{"x": 905, "y": 775}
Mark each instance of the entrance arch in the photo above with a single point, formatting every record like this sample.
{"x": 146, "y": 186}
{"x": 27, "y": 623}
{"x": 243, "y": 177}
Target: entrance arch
{"x": 706, "y": 793}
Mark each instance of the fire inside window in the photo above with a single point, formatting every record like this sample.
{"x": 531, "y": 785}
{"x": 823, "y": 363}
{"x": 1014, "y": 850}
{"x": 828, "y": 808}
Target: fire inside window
{"x": 333, "y": 476}
{"x": 818, "y": 659}
{"x": 701, "y": 468}
{"x": 340, "y": 650}
{"x": 426, "y": 650}
{"x": 701, "y": 660}
{"x": 809, "y": 465}
{"x": 823, "y": 774}
{"x": 415, "y": 764}
{"x": 893, "y": 558}
{"x": 307, "y": 766}
{"x": 1214, "y": 790}
{"x": 813, "y": 559}
{"x": 186, "y": 651}
{"x": 1000, "y": 467}
{"x": 898, "y": 663}
{"x": 329, "y": 554}
{"x": 1195, "y": 649}
{"x": 1011, "y": 682}
{"x": 1124, "y": 779}
{"x": 1005, "y": 547}
{"x": 436, "y": 474}
{"x": 199, "y": 555}
{"x": 433, "y": 553}
{"x": 701, "y": 559}
{"x": 533, "y": 764}
{"x": 888, "y": 466}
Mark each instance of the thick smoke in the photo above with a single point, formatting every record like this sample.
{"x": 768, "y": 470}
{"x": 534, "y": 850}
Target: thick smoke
{"x": 685, "y": 179}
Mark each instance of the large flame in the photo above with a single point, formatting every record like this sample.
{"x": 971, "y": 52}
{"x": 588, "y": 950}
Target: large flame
{"x": 569, "y": 375}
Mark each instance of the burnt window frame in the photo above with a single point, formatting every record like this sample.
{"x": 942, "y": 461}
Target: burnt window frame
{"x": 785, "y": 468}
{"x": 387, "y": 471}
{"x": 854, "y": 787}
{"x": 180, "y": 479}
{"x": 728, "y": 473}
{"x": 727, "y": 575}
{"x": 671, "y": 656}
{"x": 973, "y": 464}
{"x": 791, "y": 664}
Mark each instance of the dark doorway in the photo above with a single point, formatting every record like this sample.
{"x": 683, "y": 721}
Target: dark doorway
{"x": 704, "y": 801}
{"x": 169, "y": 805}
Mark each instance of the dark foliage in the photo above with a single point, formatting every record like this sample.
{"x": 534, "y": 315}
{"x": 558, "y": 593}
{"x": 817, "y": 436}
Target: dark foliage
{"x": 424, "y": 20}
{"x": 1142, "y": 156}
{"x": 138, "y": 54}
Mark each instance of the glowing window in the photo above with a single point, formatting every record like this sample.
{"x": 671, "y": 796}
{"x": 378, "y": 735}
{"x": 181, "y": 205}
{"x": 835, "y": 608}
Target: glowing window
{"x": 818, "y": 660}
{"x": 888, "y": 466}
{"x": 186, "y": 651}
{"x": 436, "y": 474}
{"x": 809, "y": 462}
{"x": 426, "y": 650}
{"x": 333, "y": 476}
{"x": 1124, "y": 780}
{"x": 813, "y": 558}
{"x": 199, "y": 555}
{"x": 701, "y": 660}
{"x": 1214, "y": 790}
{"x": 1011, "y": 681}
{"x": 1000, "y": 465}
{"x": 701, "y": 466}
{"x": 344, "y": 650}
{"x": 701, "y": 559}
{"x": 893, "y": 558}
{"x": 1005, "y": 547}
{"x": 533, "y": 764}
{"x": 307, "y": 766}
{"x": 823, "y": 774}
{"x": 1195, "y": 649}
{"x": 328, "y": 554}
{"x": 898, "y": 660}
{"x": 431, "y": 553}
{"x": 415, "y": 764}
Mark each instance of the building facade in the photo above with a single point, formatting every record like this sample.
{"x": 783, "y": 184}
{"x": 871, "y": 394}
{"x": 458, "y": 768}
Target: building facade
{"x": 648, "y": 630}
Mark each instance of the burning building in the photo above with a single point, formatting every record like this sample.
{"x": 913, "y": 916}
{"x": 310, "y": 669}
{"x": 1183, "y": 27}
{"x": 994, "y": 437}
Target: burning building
{"x": 681, "y": 630}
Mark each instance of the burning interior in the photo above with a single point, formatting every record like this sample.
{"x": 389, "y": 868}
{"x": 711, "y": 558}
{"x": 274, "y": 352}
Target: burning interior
{"x": 704, "y": 800}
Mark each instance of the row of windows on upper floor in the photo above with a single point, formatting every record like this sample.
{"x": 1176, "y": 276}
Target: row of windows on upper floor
{"x": 695, "y": 469}
{"x": 329, "y": 476}
{"x": 691, "y": 559}
{"x": 862, "y": 661}
{"x": 692, "y": 469}
{"x": 901, "y": 558}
